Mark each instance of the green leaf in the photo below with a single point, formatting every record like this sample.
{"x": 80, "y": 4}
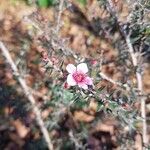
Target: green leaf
{"x": 46, "y": 3}
{"x": 133, "y": 40}
{"x": 67, "y": 96}
{"x": 147, "y": 31}
{"x": 113, "y": 105}
{"x": 52, "y": 2}
{"x": 99, "y": 106}
{"x": 82, "y": 2}
{"x": 80, "y": 104}
{"x": 43, "y": 3}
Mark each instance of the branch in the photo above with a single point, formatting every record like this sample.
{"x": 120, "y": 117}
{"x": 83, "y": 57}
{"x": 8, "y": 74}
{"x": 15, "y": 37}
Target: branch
{"x": 77, "y": 144}
{"x": 135, "y": 60}
{"x": 104, "y": 76}
{"x": 28, "y": 94}
{"x": 59, "y": 15}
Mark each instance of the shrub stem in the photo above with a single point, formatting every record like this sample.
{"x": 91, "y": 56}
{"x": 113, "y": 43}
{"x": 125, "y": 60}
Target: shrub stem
{"x": 28, "y": 94}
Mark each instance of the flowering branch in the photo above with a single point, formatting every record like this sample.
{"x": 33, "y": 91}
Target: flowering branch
{"x": 28, "y": 94}
{"x": 135, "y": 60}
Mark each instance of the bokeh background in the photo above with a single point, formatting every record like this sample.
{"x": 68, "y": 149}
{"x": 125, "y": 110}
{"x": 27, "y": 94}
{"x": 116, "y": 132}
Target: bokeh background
{"x": 88, "y": 30}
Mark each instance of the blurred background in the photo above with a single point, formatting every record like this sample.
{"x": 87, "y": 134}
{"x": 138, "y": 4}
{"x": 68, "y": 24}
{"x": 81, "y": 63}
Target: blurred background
{"x": 88, "y": 32}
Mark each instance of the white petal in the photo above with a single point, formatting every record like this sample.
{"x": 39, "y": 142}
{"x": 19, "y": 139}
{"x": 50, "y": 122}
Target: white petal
{"x": 70, "y": 80}
{"x": 82, "y": 67}
{"x": 88, "y": 81}
{"x": 71, "y": 68}
{"x": 83, "y": 85}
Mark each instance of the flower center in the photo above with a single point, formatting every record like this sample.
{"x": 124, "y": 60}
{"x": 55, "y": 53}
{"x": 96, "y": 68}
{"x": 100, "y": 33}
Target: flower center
{"x": 78, "y": 77}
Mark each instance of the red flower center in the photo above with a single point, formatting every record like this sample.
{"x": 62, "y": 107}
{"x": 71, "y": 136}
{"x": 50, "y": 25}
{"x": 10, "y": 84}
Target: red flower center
{"x": 78, "y": 77}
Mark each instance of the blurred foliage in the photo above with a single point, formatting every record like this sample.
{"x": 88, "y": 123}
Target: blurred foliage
{"x": 46, "y": 3}
{"x": 42, "y": 3}
{"x": 82, "y": 2}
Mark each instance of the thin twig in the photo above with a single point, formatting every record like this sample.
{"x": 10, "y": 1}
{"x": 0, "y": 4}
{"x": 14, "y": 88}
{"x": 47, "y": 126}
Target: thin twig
{"x": 59, "y": 15}
{"x": 104, "y": 76}
{"x": 28, "y": 94}
{"x": 135, "y": 64}
{"x": 77, "y": 145}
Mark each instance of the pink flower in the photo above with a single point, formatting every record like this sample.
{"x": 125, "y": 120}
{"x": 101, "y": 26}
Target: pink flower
{"x": 94, "y": 62}
{"x": 77, "y": 76}
{"x": 66, "y": 86}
